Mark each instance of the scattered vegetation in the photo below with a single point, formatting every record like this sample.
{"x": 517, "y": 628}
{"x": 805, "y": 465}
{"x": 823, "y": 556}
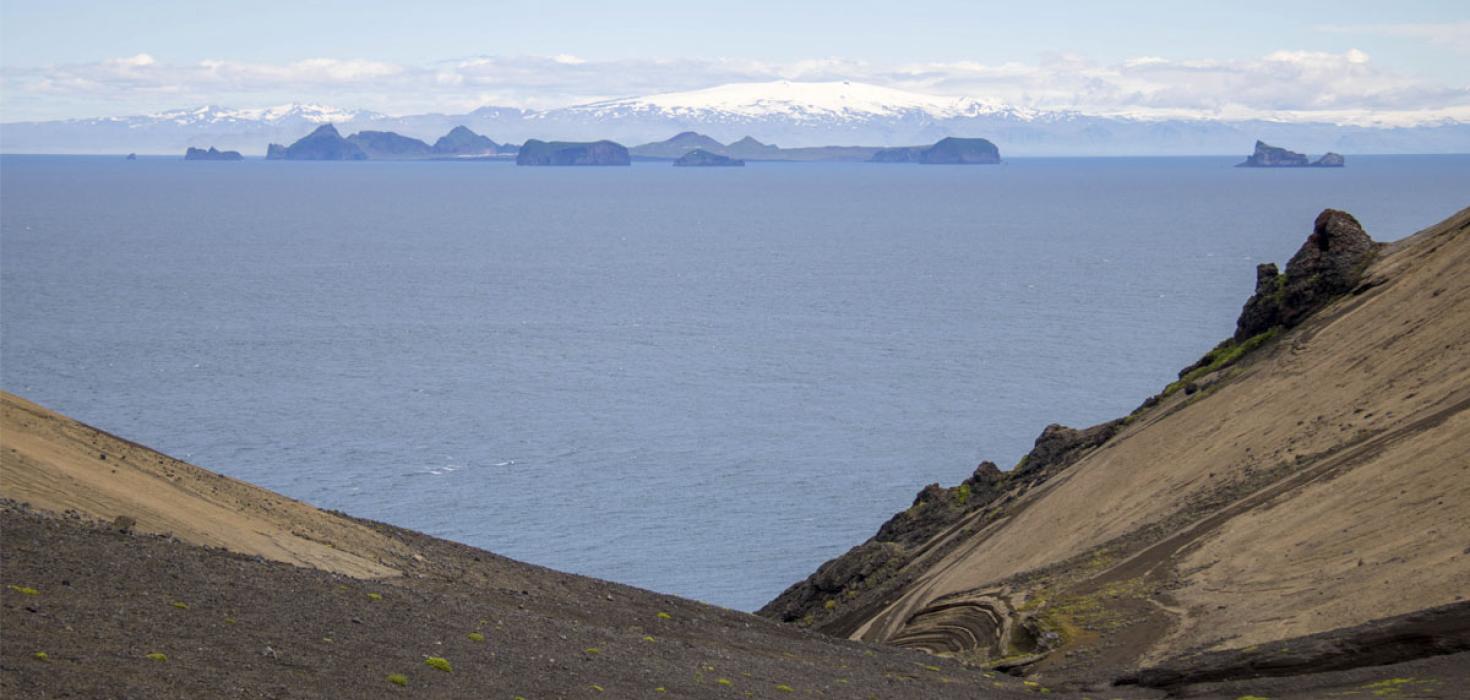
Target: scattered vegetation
{"x": 665, "y": 616}
{"x": 438, "y": 662}
{"x": 1390, "y": 687}
{"x": 831, "y": 604}
{"x": 41, "y": 656}
{"x": 181, "y": 605}
{"x": 27, "y": 590}
{"x": 398, "y": 679}
{"x": 648, "y": 638}
{"x": 475, "y": 637}
{"x": 156, "y": 656}
{"x": 597, "y": 687}
{"x": 1223, "y": 355}
{"x": 375, "y": 596}
{"x": 593, "y": 651}
{"x": 785, "y": 688}
{"x": 962, "y": 494}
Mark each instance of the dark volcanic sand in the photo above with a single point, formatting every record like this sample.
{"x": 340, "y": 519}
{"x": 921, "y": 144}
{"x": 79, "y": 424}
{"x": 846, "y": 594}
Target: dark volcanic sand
{"x": 254, "y": 628}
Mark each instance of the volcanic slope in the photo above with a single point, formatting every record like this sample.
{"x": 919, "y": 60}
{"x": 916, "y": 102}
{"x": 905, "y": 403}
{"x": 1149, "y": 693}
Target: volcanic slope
{"x": 1310, "y": 476}
{"x": 127, "y": 573}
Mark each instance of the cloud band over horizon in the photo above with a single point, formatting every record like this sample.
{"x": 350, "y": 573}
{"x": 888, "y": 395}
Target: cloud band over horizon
{"x": 1344, "y": 87}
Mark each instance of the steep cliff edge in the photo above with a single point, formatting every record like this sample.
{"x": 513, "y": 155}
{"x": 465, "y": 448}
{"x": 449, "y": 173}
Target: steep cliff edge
{"x": 1309, "y": 475}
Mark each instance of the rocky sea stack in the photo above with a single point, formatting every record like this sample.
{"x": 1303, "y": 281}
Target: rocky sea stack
{"x": 700, "y": 158}
{"x": 535, "y": 152}
{"x": 1329, "y": 264}
{"x": 1268, "y": 156}
{"x": 211, "y": 154}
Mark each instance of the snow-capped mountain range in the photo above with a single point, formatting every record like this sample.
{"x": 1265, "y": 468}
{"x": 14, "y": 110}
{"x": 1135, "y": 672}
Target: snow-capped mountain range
{"x": 782, "y": 112}
{"x": 803, "y": 102}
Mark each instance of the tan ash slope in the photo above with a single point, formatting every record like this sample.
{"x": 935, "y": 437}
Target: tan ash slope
{"x": 1320, "y": 481}
{"x": 59, "y": 464}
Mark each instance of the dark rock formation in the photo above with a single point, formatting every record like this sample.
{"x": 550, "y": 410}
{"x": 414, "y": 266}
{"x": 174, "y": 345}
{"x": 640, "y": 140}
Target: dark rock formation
{"x": 700, "y": 158}
{"x": 275, "y": 151}
{"x": 1263, "y": 310}
{"x": 536, "y": 152}
{"x": 678, "y": 146}
{"x": 211, "y": 154}
{"x": 460, "y": 141}
{"x": 873, "y": 567}
{"x": 324, "y": 144}
{"x": 1329, "y": 264}
{"x": 1057, "y": 446}
{"x": 132, "y": 156}
{"x": 387, "y": 145}
{"x": 1267, "y": 156}
{"x": 958, "y": 151}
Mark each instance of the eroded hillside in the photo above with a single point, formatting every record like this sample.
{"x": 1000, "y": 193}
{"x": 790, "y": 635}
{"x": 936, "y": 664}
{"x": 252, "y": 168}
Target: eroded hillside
{"x": 1310, "y": 474}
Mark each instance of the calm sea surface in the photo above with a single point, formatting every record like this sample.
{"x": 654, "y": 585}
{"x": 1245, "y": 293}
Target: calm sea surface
{"x": 704, "y": 382}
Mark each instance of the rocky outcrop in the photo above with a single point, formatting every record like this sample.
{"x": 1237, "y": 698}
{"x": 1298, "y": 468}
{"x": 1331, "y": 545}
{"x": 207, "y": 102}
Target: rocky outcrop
{"x": 535, "y": 152}
{"x": 388, "y": 145}
{"x": 211, "y": 154}
{"x": 1329, "y": 264}
{"x": 1268, "y": 156}
{"x": 700, "y": 158}
{"x": 275, "y": 151}
{"x": 871, "y": 570}
{"x": 460, "y": 141}
{"x": 324, "y": 144}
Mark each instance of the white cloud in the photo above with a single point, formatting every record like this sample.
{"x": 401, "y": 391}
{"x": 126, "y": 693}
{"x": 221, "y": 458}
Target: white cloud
{"x": 1288, "y": 84}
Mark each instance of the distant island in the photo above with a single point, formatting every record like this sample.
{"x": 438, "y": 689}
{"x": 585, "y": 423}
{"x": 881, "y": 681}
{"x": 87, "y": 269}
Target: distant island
{"x": 211, "y": 154}
{"x": 323, "y": 144}
{"x": 746, "y": 148}
{"x": 461, "y": 142}
{"x": 947, "y": 151}
{"x": 535, "y": 152}
{"x": 1268, "y": 156}
{"x": 387, "y": 145}
{"x": 326, "y": 143}
{"x": 700, "y": 158}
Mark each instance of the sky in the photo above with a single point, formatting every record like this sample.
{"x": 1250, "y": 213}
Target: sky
{"x": 1351, "y": 60}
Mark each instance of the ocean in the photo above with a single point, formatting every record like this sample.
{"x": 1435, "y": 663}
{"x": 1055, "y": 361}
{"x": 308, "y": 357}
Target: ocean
{"x": 701, "y": 381}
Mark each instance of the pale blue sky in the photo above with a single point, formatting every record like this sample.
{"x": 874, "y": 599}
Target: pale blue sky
{"x": 46, "y": 46}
